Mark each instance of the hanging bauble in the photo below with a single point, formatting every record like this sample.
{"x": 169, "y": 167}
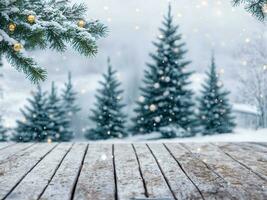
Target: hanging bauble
{"x": 17, "y": 47}
{"x": 11, "y": 27}
{"x": 49, "y": 140}
{"x": 81, "y": 23}
{"x": 31, "y": 19}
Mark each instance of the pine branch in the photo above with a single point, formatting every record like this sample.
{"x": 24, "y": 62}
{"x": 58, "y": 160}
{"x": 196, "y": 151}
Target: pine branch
{"x": 27, "y": 66}
{"x": 257, "y": 8}
{"x": 55, "y": 25}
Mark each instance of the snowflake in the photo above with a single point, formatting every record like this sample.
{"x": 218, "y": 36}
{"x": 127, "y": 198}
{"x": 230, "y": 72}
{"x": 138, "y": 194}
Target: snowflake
{"x": 157, "y": 119}
{"x": 141, "y": 99}
{"x": 167, "y": 79}
{"x": 156, "y": 85}
{"x": 103, "y": 157}
{"x": 166, "y": 93}
{"x": 152, "y": 107}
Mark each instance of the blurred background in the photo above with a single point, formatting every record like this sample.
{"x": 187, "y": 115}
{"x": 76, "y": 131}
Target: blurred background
{"x": 206, "y": 25}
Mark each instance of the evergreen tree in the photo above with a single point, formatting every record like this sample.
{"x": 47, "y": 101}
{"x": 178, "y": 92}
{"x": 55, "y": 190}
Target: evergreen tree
{"x": 165, "y": 99}
{"x": 215, "y": 111}
{"x": 108, "y": 116}
{"x": 36, "y": 120}
{"x": 28, "y": 24}
{"x": 59, "y": 125}
{"x": 69, "y": 98}
{"x": 3, "y": 131}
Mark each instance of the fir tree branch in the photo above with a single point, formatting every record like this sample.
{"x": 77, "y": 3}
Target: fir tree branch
{"x": 55, "y": 26}
{"x": 257, "y": 8}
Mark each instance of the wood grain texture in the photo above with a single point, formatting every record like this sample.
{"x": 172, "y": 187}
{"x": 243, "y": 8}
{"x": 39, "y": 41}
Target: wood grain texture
{"x": 96, "y": 180}
{"x": 250, "y": 186}
{"x": 104, "y": 171}
{"x": 210, "y": 184}
{"x": 255, "y": 161}
{"x": 129, "y": 180}
{"x": 154, "y": 180}
{"x": 35, "y": 182}
{"x": 62, "y": 184}
{"x": 6, "y": 153}
{"x": 13, "y": 171}
{"x": 179, "y": 183}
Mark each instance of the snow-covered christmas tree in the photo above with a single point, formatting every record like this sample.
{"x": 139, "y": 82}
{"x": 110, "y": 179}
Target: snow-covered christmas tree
{"x": 3, "y": 131}
{"x": 215, "y": 112}
{"x": 59, "y": 124}
{"x": 165, "y": 99}
{"x": 33, "y": 126}
{"x": 69, "y": 98}
{"x": 28, "y": 24}
{"x": 108, "y": 115}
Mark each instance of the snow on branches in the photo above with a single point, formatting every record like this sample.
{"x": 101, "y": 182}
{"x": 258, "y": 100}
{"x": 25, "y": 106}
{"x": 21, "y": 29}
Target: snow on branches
{"x": 29, "y": 24}
{"x": 257, "y": 8}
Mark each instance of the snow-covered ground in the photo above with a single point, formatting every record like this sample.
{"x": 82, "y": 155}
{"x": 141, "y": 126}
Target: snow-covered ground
{"x": 240, "y": 135}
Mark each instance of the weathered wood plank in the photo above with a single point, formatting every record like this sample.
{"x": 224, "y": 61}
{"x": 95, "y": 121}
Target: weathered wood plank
{"x": 6, "y": 153}
{"x": 262, "y": 144}
{"x": 154, "y": 180}
{"x": 180, "y": 184}
{"x": 210, "y": 184}
{"x": 255, "y": 147}
{"x": 17, "y": 167}
{"x": 35, "y": 182}
{"x": 246, "y": 155}
{"x": 96, "y": 180}
{"x": 62, "y": 184}
{"x": 251, "y": 186}
{"x": 4, "y": 145}
{"x": 129, "y": 180}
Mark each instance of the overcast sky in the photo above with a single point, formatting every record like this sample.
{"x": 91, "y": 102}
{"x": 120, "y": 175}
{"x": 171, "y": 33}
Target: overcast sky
{"x": 205, "y": 24}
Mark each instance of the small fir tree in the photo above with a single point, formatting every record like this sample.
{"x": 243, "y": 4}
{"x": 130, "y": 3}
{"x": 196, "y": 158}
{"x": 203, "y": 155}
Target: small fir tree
{"x": 34, "y": 125}
{"x": 215, "y": 113}
{"x": 69, "y": 98}
{"x": 3, "y": 131}
{"x": 108, "y": 116}
{"x": 165, "y": 99}
{"x": 59, "y": 125}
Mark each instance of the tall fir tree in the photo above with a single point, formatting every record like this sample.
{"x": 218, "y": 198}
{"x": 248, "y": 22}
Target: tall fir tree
{"x": 165, "y": 103}
{"x": 34, "y": 125}
{"x": 59, "y": 126}
{"x": 107, "y": 115}
{"x": 69, "y": 98}
{"x": 215, "y": 113}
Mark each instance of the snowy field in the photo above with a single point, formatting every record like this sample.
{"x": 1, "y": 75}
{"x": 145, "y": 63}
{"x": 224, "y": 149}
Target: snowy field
{"x": 240, "y": 135}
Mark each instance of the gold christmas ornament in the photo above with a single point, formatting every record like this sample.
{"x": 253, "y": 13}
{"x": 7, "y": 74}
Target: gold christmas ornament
{"x": 17, "y": 47}
{"x": 31, "y": 19}
{"x": 11, "y": 27}
{"x": 81, "y": 23}
{"x": 49, "y": 140}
